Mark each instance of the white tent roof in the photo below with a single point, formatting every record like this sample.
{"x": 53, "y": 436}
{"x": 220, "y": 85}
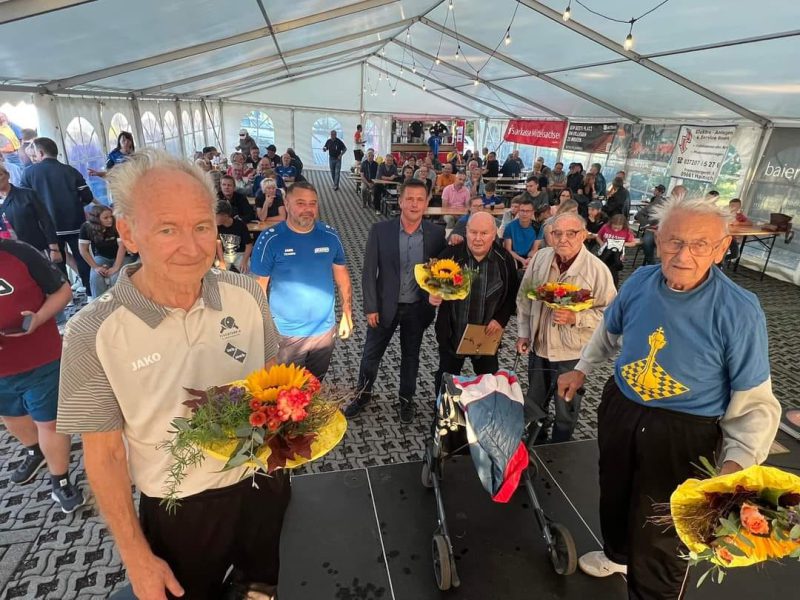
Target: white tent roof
{"x": 721, "y": 60}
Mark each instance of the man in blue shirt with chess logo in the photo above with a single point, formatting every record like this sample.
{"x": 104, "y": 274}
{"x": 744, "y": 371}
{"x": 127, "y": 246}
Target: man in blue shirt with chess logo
{"x": 692, "y": 380}
{"x": 298, "y": 262}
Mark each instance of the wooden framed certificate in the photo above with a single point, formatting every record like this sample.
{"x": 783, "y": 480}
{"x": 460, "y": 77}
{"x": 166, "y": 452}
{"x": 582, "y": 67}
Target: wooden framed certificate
{"x": 476, "y": 342}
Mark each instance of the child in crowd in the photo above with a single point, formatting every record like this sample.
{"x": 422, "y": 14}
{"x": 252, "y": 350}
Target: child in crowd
{"x": 739, "y": 219}
{"x": 597, "y": 218}
{"x": 490, "y": 199}
{"x": 613, "y": 237}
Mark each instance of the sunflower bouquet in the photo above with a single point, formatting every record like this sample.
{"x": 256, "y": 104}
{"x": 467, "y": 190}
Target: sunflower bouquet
{"x": 735, "y": 520}
{"x": 276, "y": 418}
{"x": 562, "y": 295}
{"x": 444, "y": 277}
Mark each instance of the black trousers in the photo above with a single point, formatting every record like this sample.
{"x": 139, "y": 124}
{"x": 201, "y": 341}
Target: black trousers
{"x": 452, "y": 363}
{"x": 84, "y": 271}
{"x": 413, "y": 319}
{"x": 237, "y": 525}
{"x": 645, "y": 453}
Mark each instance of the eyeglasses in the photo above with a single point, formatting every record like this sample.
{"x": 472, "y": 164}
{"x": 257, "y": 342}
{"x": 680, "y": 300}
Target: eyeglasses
{"x": 700, "y": 248}
{"x": 570, "y": 234}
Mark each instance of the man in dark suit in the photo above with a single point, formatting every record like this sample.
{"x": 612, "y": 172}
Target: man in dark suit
{"x": 392, "y": 296}
{"x": 28, "y": 217}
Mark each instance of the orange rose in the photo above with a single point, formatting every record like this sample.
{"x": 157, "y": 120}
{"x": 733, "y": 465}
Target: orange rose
{"x": 257, "y": 419}
{"x": 753, "y": 520}
{"x": 724, "y": 554}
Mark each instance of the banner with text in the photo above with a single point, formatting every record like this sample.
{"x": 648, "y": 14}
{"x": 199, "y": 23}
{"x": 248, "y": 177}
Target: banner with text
{"x": 546, "y": 134}
{"x": 700, "y": 151}
{"x": 590, "y": 137}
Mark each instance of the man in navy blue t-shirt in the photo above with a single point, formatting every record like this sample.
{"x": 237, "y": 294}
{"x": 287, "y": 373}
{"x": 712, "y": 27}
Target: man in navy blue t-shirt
{"x": 335, "y": 149}
{"x": 692, "y": 379}
{"x": 298, "y": 262}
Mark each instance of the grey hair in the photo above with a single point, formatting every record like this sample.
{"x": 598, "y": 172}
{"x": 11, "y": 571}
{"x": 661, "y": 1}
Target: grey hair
{"x": 567, "y": 215}
{"x": 268, "y": 182}
{"x": 123, "y": 178}
{"x": 696, "y": 206}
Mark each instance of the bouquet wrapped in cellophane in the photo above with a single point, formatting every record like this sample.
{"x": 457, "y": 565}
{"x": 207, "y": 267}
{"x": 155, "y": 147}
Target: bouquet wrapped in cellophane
{"x": 736, "y": 520}
{"x": 562, "y": 295}
{"x": 276, "y": 418}
{"x": 444, "y": 277}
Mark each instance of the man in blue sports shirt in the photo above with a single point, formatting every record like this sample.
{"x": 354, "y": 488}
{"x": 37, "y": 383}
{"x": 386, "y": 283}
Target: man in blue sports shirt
{"x": 692, "y": 379}
{"x": 298, "y": 261}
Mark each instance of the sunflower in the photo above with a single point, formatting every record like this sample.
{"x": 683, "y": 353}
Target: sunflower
{"x": 445, "y": 269}
{"x": 265, "y": 385}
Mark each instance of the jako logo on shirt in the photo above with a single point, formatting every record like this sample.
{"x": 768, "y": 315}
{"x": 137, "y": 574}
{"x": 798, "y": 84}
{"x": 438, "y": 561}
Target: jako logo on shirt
{"x": 288, "y": 252}
{"x": 321, "y": 250}
{"x": 145, "y": 361}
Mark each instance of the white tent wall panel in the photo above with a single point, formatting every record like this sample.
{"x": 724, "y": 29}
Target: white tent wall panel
{"x": 234, "y": 112}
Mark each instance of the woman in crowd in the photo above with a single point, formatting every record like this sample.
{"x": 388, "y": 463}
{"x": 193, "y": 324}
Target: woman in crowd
{"x": 492, "y": 166}
{"x": 618, "y": 201}
{"x": 296, "y": 163}
{"x": 475, "y": 183}
{"x": 125, "y": 147}
{"x": 269, "y": 202}
{"x": 102, "y": 249}
{"x": 564, "y": 195}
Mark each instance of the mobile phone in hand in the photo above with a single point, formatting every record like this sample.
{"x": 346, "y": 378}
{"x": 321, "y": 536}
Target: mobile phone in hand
{"x": 26, "y": 325}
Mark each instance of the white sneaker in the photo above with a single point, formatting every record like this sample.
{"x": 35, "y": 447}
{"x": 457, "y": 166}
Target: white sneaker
{"x": 597, "y": 564}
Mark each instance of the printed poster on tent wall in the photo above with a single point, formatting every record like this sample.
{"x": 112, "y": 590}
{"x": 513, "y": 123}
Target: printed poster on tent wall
{"x": 700, "y": 151}
{"x": 545, "y": 134}
{"x": 590, "y": 137}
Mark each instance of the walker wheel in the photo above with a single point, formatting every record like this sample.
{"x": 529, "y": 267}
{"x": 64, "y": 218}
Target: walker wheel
{"x": 441, "y": 562}
{"x": 426, "y": 477}
{"x": 563, "y": 553}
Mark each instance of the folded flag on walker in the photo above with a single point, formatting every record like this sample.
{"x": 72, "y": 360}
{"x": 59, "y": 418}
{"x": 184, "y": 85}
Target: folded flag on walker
{"x": 494, "y": 409}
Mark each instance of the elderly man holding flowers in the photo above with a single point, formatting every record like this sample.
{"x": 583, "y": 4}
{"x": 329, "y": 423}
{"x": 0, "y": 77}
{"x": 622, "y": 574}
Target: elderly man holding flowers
{"x": 556, "y": 336}
{"x": 692, "y": 381}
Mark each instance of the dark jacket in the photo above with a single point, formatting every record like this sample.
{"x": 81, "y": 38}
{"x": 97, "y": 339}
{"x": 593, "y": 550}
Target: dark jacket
{"x": 241, "y": 206}
{"x": 380, "y": 281}
{"x": 492, "y": 296}
{"x": 574, "y": 182}
{"x": 29, "y": 218}
{"x": 63, "y": 191}
{"x": 617, "y": 203}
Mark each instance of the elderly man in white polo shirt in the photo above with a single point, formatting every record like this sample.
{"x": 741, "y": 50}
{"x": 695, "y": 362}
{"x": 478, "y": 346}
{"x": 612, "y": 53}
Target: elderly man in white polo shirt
{"x": 170, "y": 323}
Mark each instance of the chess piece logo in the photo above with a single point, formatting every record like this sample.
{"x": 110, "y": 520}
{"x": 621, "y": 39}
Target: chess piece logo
{"x": 647, "y": 378}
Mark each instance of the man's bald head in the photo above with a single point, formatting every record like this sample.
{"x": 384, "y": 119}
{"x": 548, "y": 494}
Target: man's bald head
{"x": 481, "y": 234}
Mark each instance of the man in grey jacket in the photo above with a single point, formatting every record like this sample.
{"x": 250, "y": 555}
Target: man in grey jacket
{"x": 555, "y": 338}
{"x": 692, "y": 379}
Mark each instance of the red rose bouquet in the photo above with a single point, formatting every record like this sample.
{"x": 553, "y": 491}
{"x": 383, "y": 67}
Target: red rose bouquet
{"x": 562, "y": 295}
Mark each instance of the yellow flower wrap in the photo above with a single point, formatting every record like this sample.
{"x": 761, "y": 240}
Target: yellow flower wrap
{"x": 327, "y": 439}
{"x": 422, "y": 274}
{"x": 756, "y": 478}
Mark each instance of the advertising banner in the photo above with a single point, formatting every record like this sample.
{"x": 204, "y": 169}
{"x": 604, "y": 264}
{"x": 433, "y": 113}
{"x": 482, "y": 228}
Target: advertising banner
{"x": 700, "y": 151}
{"x": 547, "y": 134}
{"x": 590, "y": 137}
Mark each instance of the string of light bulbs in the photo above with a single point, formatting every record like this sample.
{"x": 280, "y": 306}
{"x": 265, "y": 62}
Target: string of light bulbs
{"x": 629, "y": 41}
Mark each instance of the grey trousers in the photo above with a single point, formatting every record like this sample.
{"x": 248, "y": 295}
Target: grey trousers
{"x": 313, "y": 352}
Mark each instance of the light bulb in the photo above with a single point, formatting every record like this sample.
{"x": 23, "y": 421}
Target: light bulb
{"x": 567, "y": 14}
{"x": 476, "y": 81}
{"x": 401, "y": 72}
{"x": 507, "y": 41}
{"x": 451, "y": 5}
{"x": 424, "y": 87}
{"x": 380, "y": 76}
{"x": 414, "y": 69}
{"x": 456, "y": 53}
{"x": 438, "y": 61}
{"x": 408, "y": 33}
{"x": 394, "y": 92}
{"x": 628, "y": 43}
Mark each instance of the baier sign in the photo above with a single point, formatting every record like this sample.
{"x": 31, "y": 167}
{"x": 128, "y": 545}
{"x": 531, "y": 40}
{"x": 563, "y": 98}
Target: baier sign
{"x": 536, "y": 133}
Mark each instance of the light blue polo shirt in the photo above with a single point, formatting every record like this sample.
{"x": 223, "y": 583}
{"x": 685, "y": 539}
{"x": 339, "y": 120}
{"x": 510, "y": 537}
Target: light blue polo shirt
{"x": 300, "y": 268}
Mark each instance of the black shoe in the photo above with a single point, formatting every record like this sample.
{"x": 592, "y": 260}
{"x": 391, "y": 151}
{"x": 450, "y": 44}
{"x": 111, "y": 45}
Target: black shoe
{"x": 336, "y": 188}
{"x": 357, "y": 404}
{"x": 407, "y": 411}
{"x": 29, "y": 467}
{"x": 68, "y": 496}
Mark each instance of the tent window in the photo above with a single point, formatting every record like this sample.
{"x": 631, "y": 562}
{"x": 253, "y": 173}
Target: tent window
{"x": 320, "y": 132}
{"x": 199, "y": 139}
{"x": 153, "y": 137}
{"x": 119, "y": 123}
{"x": 372, "y": 137}
{"x": 84, "y": 151}
{"x": 260, "y": 127}
{"x": 171, "y": 137}
{"x": 188, "y": 133}
{"x": 212, "y": 132}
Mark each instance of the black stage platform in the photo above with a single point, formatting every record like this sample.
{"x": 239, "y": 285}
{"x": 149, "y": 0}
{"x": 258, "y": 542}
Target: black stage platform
{"x": 365, "y": 534}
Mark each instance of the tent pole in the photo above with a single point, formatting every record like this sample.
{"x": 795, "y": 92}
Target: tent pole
{"x": 758, "y": 153}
